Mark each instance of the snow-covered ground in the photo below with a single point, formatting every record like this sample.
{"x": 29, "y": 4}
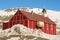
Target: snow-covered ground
{"x": 51, "y": 37}
{"x": 53, "y": 15}
{"x": 37, "y": 33}
{"x": 14, "y": 38}
{"x": 26, "y": 31}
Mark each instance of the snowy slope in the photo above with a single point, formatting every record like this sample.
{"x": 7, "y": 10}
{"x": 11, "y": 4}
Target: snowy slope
{"x": 53, "y": 15}
{"x": 26, "y": 31}
{"x": 37, "y": 33}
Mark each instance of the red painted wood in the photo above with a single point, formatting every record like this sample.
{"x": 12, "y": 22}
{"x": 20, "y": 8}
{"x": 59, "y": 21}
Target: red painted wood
{"x": 54, "y": 29}
{"x": 25, "y": 23}
{"x": 18, "y": 18}
{"x": 30, "y": 24}
{"x": 5, "y": 26}
{"x": 47, "y": 28}
{"x": 51, "y": 30}
{"x": 34, "y": 24}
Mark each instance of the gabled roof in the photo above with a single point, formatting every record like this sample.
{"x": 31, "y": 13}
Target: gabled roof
{"x": 36, "y": 17}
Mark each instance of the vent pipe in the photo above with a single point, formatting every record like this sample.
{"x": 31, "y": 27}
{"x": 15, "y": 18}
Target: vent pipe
{"x": 44, "y": 12}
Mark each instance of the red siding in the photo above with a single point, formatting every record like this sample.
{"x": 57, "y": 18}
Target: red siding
{"x": 5, "y": 26}
{"x": 32, "y": 24}
{"x": 26, "y": 23}
{"x": 49, "y": 28}
{"x": 54, "y": 29}
{"x": 10, "y": 24}
{"x": 19, "y": 18}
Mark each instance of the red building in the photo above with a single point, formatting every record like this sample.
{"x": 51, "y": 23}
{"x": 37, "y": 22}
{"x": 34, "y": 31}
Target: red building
{"x": 30, "y": 21}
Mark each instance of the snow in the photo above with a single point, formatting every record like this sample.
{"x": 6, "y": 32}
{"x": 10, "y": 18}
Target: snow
{"x": 22, "y": 29}
{"x": 6, "y": 21}
{"x": 4, "y": 13}
{"x": 14, "y": 38}
{"x": 27, "y": 31}
{"x": 58, "y": 29}
{"x": 37, "y": 33}
{"x": 53, "y": 15}
{"x": 51, "y": 37}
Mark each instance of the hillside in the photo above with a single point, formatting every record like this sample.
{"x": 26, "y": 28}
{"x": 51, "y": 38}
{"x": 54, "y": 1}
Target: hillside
{"x": 8, "y": 13}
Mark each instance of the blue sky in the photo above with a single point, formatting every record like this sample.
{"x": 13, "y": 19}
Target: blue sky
{"x": 47, "y": 4}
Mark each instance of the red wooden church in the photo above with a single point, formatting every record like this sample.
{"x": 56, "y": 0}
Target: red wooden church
{"x": 30, "y": 20}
